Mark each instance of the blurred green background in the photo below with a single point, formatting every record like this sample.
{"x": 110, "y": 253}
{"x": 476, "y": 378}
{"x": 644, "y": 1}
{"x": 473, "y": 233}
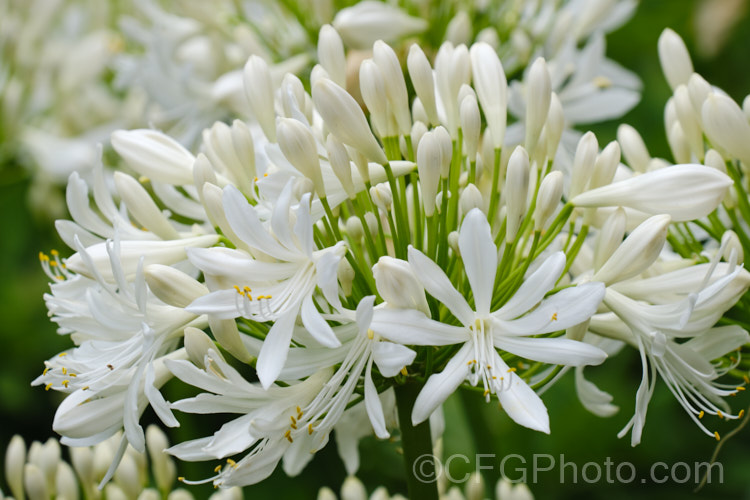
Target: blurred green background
{"x": 28, "y": 338}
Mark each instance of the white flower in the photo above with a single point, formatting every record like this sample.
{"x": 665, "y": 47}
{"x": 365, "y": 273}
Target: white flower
{"x": 482, "y": 331}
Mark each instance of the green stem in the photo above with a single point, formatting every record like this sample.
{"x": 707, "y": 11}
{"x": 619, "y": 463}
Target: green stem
{"x": 421, "y": 473}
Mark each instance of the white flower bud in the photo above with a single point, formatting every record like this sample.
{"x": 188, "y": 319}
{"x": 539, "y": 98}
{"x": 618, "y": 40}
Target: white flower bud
{"x": 470, "y": 198}
{"x": 154, "y": 155}
{"x": 633, "y": 148}
{"x": 227, "y": 335}
{"x": 605, "y": 166}
{"x": 172, "y": 286}
{"x": 380, "y": 493}
{"x": 180, "y": 494}
{"x": 325, "y": 493}
{"x": 418, "y": 129}
{"x": 381, "y": 196}
{"x": 732, "y": 247}
{"x": 197, "y": 344}
{"x": 372, "y": 87}
{"x": 34, "y": 482}
{"x": 114, "y": 492}
{"x": 127, "y": 477}
{"x": 459, "y": 29}
{"x": 15, "y": 458}
{"x": 259, "y": 91}
{"x": 516, "y": 191}
{"x": 162, "y": 465}
{"x": 423, "y": 80}
{"x": 66, "y": 484}
{"x": 345, "y": 119}
{"x": 698, "y": 90}
{"x": 547, "y": 199}
{"x": 610, "y": 237}
{"x": 83, "y": 463}
{"x": 372, "y": 223}
{"x": 331, "y": 54}
{"x": 298, "y": 145}
{"x": 446, "y": 146}
{"x": 674, "y": 58}
{"x": 689, "y": 122}
{"x": 149, "y": 494}
{"x": 231, "y": 151}
{"x": 353, "y": 489}
{"x": 49, "y": 459}
{"x": 354, "y": 228}
{"x": 302, "y": 186}
{"x": 318, "y": 73}
{"x": 714, "y": 160}
{"x": 678, "y": 143}
{"x": 538, "y": 96}
{"x": 583, "y": 163}
{"x": 492, "y": 89}
{"x": 746, "y": 106}
{"x": 475, "y": 487}
{"x": 453, "y": 243}
{"x": 345, "y": 274}
{"x": 639, "y": 250}
{"x": 554, "y": 126}
{"x": 429, "y": 162}
{"x": 398, "y": 285}
{"x": 726, "y": 126}
{"x": 452, "y": 69}
{"x": 471, "y": 124}
{"x": 664, "y": 191}
{"x": 365, "y": 22}
{"x": 395, "y": 85}
{"x": 103, "y": 456}
{"x": 418, "y": 112}
{"x": 340, "y": 164}
{"x": 143, "y": 208}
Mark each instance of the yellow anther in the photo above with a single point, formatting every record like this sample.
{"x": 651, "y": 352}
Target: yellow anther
{"x": 52, "y": 263}
{"x": 62, "y": 354}
{"x": 85, "y": 388}
{"x": 43, "y": 257}
{"x": 719, "y": 414}
{"x": 746, "y": 379}
{"x": 45, "y": 371}
{"x": 217, "y": 468}
{"x": 65, "y": 383}
{"x": 180, "y": 479}
{"x": 740, "y": 388}
{"x": 602, "y": 82}
{"x": 489, "y": 367}
{"x": 247, "y": 289}
{"x": 299, "y": 410}
{"x": 231, "y": 462}
{"x": 143, "y": 179}
{"x": 554, "y": 316}
{"x": 741, "y": 413}
{"x": 238, "y": 289}
{"x": 700, "y": 415}
{"x": 511, "y": 370}
{"x": 494, "y": 377}
{"x": 48, "y": 386}
{"x": 265, "y": 175}
{"x": 404, "y": 372}
{"x": 294, "y": 420}
{"x": 309, "y": 429}
{"x": 54, "y": 252}
{"x": 716, "y": 435}
{"x": 64, "y": 371}
{"x": 370, "y": 334}
{"x": 72, "y": 375}
{"x": 288, "y": 436}
{"x": 486, "y": 391}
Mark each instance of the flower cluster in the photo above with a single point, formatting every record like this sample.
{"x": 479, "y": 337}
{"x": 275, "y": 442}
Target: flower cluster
{"x": 348, "y": 257}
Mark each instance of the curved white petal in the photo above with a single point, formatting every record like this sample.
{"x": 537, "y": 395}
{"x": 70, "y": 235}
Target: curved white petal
{"x": 479, "y": 254}
{"x": 441, "y": 385}
{"x": 557, "y": 351}
{"x": 373, "y": 405}
{"x": 316, "y": 325}
{"x": 521, "y": 403}
{"x": 391, "y": 357}
{"x": 275, "y": 348}
{"x": 534, "y": 288}
{"x": 411, "y": 327}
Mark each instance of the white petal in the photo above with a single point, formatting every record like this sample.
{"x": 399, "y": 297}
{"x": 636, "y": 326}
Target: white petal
{"x": 316, "y": 325}
{"x": 374, "y": 408}
{"x": 441, "y": 385}
{"x": 557, "y": 351}
{"x": 479, "y": 254}
{"x": 592, "y": 398}
{"x": 273, "y": 354}
{"x": 521, "y": 403}
{"x": 411, "y": 327}
{"x": 534, "y": 288}
{"x": 391, "y": 358}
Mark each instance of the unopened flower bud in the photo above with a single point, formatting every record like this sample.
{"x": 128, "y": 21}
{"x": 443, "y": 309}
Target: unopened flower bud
{"x": 548, "y": 198}
{"x": 162, "y": 465}
{"x": 197, "y": 344}
{"x": 516, "y": 191}
{"x": 583, "y": 163}
{"x": 471, "y": 124}
{"x": 172, "y": 286}
{"x": 674, "y": 58}
{"x": 678, "y": 143}
{"x": 331, "y": 54}
{"x": 372, "y": 87}
{"x": 345, "y": 119}
{"x": 365, "y": 22}
{"x": 554, "y": 126}
{"x": 345, "y": 274}
{"x": 605, "y": 166}
{"x": 633, "y": 148}
{"x": 259, "y": 91}
{"x": 340, "y": 164}
{"x": 492, "y": 89}
{"x": 423, "y": 80}
{"x": 353, "y": 489}
{"x": 429, "y": 161}
{"x": 326, "y": 493}
{"x": 470, "y": 198}
{"x": 475, "y": 487}
{"x": 698, "y": 90}
{"x": 149, "y": 494}
{"x": 154, "y": 155}
{"x": 714, "y": 160}
{"x": 299, "y": 147}
{"x": 127, "y": 477}
{"x": 49, "y": 459}
{"x": 302, "y": 186}
{"x": 143, "y": 208}
{"x": 395, "y": 85}
{"x": 732, "y": 247}
{"x": 114, "y": 492}
{"x": 453, "y": 237}
{"x": 689, "y": 122}
{"x": 726, "y": 126}
{"x": 354, "y": 228}
{"x": 418, "y": 129}
{"x": 538, "y": 95}
{"x": 459, "y": 29}
{"x": 66, "y": 485}
{"x": 452, "y": 69}
{"x": 381, "y": 196}
{"x": 398, "y": 285}
{"x": 34, "y": 482}
{"x": 610, "y": 237}
{"x": 372, "y": 222}
{"x": 639, "y": 250}
{"x": 15, "y": 458}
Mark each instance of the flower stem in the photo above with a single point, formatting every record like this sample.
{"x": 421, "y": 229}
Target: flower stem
{"x": 421, "y": 473}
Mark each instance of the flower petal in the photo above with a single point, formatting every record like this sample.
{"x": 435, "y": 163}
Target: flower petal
{"x": 558, "y": 351}
{"x": 479, "y": 254}
{"x": 534, "y": 288}
{"x": 521, "y": 403}
{"x": 373, "y": 405}
{"x": 275, "y": 348}
{"x": 391, "y": 358}
{"x": 441, "y": 385}
{"x": 411, "y": 327}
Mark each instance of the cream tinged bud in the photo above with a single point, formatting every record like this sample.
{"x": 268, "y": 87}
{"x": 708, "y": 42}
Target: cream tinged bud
{"x": 398, "y": 285}
{"x": 326, "y": 493}
{"x": 453, "y": 243}
{"x": 162, "y": 465}
{"x": 664, "y": 191}
{"x": 259, "y": 91}
{"x": 371, "y": 220}
{"x": 154, "y": 155}
{"x": 340, "y": 164}
{"x": 538, "y": 96}
{"x": 381, "y": 196}
{"x": 127, "y": 477}
{"x": 459, "y": 29}
{"x": 365, "y": 22}
{"x": 726, "y": 126}
{"x": 471, "y": 198}
{"x": 143, "y": 208}
{"x": 331, "y": 54}
{"x": 15, "y": 458}
{"x": 516, "y": 191}
{"x": 151, "y": 494}
{"x": 318, "y": 73}
{"x": 492, "y": 89}
{"x": 66, "y": 484}
{"x": 114, "y": 492}
{"x": 360, "y": 161}
{"x": 423, "y": 81}
{"x": 475, "y": 487}
{"x": 395, "y": 85}
{"x": 35, "y": 484}
{"x": 746, "y": 107}
{"x": 231, "y": 151}
{"x": 83, "y": 463}
{"x": 452, "y": 69}
{"x": 583, "y": 164}
{"x": 639, "y": 250}
{"x": 298, "y": 145}
{"x": 429, "y": 162}
{"x": 294, "y": 100}
{"x": 353, "y": 489}
{"x": 418, "y": 112}
{"x": 633, "y": 148}
{"x": 554, "y": 126}
{"x": 345, "y": 119}
{"x": 605, "y": 166}
{"x": 698, "y": 90}
{"x": 678, "y": 143}
{"x": 446, "y": 147}
{"x": 689, "y": 122}
{"x": 49, "y": 459}
{"x": 471, "y": 124}
{"x": 418, "y": 130}
{"x": 548, "y": 199}
{"x": 227, "y": 334}
{"x": 610, "y": 237}
{"x": 212, "y": 199}
{"x": 732, "y": 247}
{"x": 354, "y": 228}
{"x": 302, "y": 186}
{"x": 172, "y": 286}
{"x": 345, "y": 274}
{"x": 674, "y": 58}
{"x": 372, "y": 87}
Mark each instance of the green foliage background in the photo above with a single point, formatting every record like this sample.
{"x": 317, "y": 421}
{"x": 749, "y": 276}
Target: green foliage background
{"x": 28, "y": 338}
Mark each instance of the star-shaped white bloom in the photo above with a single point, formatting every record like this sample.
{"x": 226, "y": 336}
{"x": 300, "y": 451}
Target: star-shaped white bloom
{"x": 510, "y": 328}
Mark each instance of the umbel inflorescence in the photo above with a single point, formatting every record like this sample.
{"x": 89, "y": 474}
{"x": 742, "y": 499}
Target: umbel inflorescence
{"x": 369, "y": 250}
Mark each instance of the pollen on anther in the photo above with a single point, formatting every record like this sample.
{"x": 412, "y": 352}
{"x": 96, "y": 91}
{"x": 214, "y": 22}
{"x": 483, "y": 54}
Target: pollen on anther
{"x": 370, "y": 334}
{"x": 746, "y": 379}
{"x": 716, "y": 435}
{"x": 700, "y": 415}
{"x": 64, "y": 371}
{"x": 309, "y": 429}
{"x": 554, "y": 316}
{"x": 741, "y": 413}
{"x": 48, "y": 386}
{"x": 45, "y": 371}
{"x": 65, "y": 383}
{"x": 217, "y": 468}
{"x": 740, "y": 388}
{"x": 511, "y": 370}
{"x": 288, "y": 436}
{"x": 181, "y": 479}
{"x": 231, "y": 462}
{"x": 719, "y": 414}
{"x": 85, "y": 388}
{"x": 294, "y": 420}
{"x": 404, "y": 372}
{"x": 62, "y": 354}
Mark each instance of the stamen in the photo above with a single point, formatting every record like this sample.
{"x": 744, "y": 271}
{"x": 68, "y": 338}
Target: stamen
{"x": 64, "y": 371}
{"x": 716, "y": 435}
{"x": 404, "y": 372}
{"x": 370, "y": 334}
{"x": 217, "y": 468}
{"x": 741, "y": 413}
{"x": 719, "y": 414}
{"x": 554, "y": 316}
{"x": 65, "y": 383}
{"x": 700, "y": 415}
{"x": 48, "y": 386}
{"x": 740, "y": 388}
